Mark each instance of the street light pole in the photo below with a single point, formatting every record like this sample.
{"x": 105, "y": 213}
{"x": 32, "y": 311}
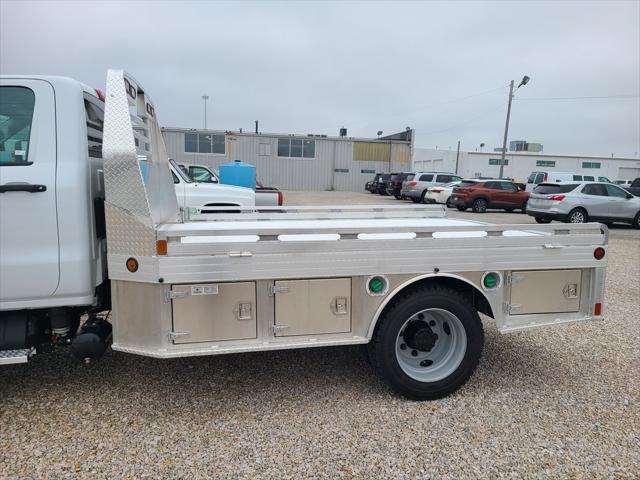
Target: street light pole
{"x": 506, "y": 131}
{"x": 524, "y": 81}
{"x": 205, "y": 97}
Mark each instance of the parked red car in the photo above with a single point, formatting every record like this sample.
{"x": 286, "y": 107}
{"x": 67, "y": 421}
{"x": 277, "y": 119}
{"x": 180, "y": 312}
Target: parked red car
{"x": 480, "y": 195}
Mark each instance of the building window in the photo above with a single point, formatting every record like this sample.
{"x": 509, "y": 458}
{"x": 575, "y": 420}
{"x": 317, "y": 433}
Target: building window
{"x": 590, "y": 164}
{"x": 545, "y": 163}
{"x": 203, "y": 143}
{"x": 264, "y": 149}
{"x": 367, "y": 171}
{"x": 341, "y": 170}
{"x": 496, "y": 161}
{"x": 296, "y": 148}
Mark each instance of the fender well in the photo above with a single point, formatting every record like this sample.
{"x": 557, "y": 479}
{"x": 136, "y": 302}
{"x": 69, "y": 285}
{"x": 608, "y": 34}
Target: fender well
{"x": 475, "y": 296}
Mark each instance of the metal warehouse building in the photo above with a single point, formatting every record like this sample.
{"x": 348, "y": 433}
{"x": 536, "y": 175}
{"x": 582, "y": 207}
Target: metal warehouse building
{"x": 520, "y": 164}
{"x": 295, "y": 162}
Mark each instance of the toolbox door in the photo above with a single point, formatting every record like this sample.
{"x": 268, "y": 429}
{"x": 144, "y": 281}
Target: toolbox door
{"x": 309, "y": 307}
{"x": 213, "y": 312}
{"x": 545, "y": 291}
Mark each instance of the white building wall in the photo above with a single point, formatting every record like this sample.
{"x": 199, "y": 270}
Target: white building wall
{"x": 333, "y": 167}
{"x": 520, "y": 165}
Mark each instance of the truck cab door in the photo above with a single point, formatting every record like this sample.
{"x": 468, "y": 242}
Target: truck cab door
{"x": 29, "y": 247}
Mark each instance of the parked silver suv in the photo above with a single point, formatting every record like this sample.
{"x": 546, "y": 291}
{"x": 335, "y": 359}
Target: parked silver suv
{"x": 415, "y": 187}
{"x": 583, "y": 202}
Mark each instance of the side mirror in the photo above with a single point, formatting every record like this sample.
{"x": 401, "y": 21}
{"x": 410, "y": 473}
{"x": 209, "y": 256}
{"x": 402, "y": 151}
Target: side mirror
{"x": 629, "y": 196}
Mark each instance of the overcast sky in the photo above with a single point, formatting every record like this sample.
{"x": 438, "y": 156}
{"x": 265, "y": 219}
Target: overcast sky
{"x": 307, "y": 67}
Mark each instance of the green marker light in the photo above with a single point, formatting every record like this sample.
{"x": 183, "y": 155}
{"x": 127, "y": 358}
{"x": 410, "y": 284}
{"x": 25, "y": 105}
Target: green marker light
{"x": 490, "y": 280}
{"x": 376, "y": 285}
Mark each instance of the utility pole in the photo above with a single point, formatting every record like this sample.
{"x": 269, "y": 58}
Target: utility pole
{"x": 205, "y": 97}
{"x": 506, "y": 131}
{"x": 524, "y": 81}
{"x": 457, "y": 156}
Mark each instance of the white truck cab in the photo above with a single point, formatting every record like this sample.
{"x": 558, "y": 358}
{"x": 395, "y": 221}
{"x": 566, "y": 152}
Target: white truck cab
{"x": 52, "y": 219}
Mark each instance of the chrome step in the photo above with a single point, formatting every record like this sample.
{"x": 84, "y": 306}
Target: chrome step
{"x": 20, "y": 355}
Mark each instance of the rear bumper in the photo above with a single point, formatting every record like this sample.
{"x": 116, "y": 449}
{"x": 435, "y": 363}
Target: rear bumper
{"x": 411, "y": 193}
{"x": 551, "y": 214}
{"x": 459, "y": 201}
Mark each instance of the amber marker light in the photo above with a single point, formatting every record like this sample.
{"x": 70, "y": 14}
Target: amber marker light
{"x": 132, "y": 264}
{"x": 161, "y": 247}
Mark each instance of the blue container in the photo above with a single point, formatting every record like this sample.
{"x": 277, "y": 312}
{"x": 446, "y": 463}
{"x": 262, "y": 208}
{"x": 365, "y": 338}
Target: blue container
{"x": 238, "y": 173}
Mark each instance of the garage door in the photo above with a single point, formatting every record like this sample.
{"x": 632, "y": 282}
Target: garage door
{"x": 626, "y": 173}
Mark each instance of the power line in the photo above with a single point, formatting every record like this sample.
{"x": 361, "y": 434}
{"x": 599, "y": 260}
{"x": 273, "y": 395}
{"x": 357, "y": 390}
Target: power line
{"x": 466, "y": 122}
{"x": 578, "y": 98}
{"x": 436, "y": 104}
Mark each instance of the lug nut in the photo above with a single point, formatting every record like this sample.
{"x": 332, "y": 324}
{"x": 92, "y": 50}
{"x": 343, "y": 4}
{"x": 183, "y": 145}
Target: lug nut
{"x": 403, "y": 346}
{"x": 432, "y": 323}
{"x": 426, "y": 363}
{"x": 414, "y": 353}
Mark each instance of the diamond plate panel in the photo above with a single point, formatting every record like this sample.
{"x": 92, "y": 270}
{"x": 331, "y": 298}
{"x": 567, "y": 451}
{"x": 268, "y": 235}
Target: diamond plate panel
{"x": 133, "y": 204}
{"x": 127, "y": 234}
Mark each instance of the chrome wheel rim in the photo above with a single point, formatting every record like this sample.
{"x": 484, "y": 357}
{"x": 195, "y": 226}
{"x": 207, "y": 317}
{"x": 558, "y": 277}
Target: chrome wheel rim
{"x": 431, "y": 345}
{"x": 577, "y": 217}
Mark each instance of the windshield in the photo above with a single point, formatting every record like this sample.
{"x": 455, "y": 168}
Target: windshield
{"x": 179, "y": 171}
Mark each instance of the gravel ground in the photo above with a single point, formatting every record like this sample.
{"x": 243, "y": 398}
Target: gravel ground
{"x": 549, "y": 403}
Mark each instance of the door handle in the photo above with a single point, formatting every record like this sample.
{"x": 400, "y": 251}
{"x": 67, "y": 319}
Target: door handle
{"x": 22, "y": 187}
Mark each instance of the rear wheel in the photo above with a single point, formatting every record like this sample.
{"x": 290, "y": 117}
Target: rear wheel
{"x": 462, "y": 209}
{"x": 636, "y": 221}
{"x": 479, "y": 205}
{"x": 449, "y": 203}
{"x": 427, "y": 343}
{"x": 577, "y": 215}
{"x": 542, "y": 220}
{"x": 398, "y": 197}
{"x": 524, "y": 206}
{"x": 415, "y": 200}
{"x": 422, "y": 197}
{"x": 508, "y": 210}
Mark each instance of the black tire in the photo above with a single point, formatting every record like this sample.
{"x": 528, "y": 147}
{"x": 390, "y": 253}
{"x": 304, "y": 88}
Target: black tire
{"x": 448, "y": 203}
{"x": 398, "y": 197}
{"x": 415, "y": 200}
{"x": 382, "y": 348}
{"x": 542, "y": 220}
{"x": 636, "y": 221}
{"x": 462, "y": 209}
{"x": 508, "y": 210}
{"x": 577, "y": 215}
{"x": 424, "y": 194}
{"x": 479, "y": 205}
{"x": 524, "y": 206}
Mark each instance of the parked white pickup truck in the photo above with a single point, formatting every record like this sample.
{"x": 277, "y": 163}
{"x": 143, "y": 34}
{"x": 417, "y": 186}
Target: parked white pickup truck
{"x": 265, "y": 196}
{"x": 198, "y": 195}
{"x": 405, "y": 280}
